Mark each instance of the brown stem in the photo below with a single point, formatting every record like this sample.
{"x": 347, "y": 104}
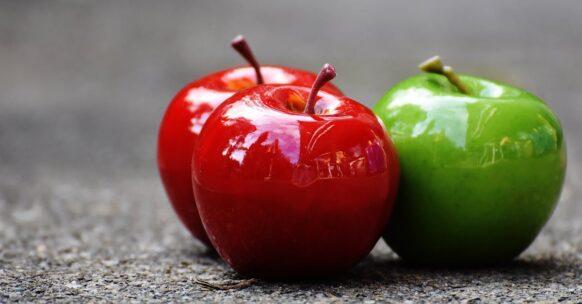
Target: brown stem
{"x": 326, "y": 74}
{"x": 435, "y": 65}
{"x": 239, "y": 43}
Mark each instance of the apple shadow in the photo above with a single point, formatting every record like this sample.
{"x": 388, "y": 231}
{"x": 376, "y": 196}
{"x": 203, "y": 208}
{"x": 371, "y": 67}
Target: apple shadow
{"x": 385, "y": 271}
{"x": 197, "y": 251}
{"x": 374, "y": 273}
{"x": 381, "y": 271}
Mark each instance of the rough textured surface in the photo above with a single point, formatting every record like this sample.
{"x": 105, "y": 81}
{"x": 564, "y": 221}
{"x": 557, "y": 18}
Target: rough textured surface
{"x": 119, "y": 241}
{"x": 83, "y": 86}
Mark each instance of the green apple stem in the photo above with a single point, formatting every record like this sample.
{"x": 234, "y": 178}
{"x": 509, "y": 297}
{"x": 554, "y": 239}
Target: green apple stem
{"x": 239, "y": 43}
{"x": 435, "y": 65}
{"x": 326, "y": 74}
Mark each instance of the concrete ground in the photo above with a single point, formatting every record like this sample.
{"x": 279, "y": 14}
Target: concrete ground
{"x": 69, "y": 240}
{"x": 83, "y": 85}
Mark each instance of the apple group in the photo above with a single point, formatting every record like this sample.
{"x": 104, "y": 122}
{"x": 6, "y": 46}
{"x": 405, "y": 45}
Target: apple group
{"x": 285, "y": 177}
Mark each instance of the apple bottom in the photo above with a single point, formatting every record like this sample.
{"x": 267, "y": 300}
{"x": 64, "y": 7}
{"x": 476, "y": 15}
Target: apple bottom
{"x": 472, "y": 216}
{"x": 178, "y": 186}
{"x": 277, "y": 230}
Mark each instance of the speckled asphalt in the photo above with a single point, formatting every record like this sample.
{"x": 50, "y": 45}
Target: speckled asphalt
{"x": 119, "y": 241}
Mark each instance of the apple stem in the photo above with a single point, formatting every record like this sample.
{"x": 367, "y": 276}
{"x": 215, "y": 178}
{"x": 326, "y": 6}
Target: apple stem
{"x": 326, "y": 74}
{"x": 239, "y": 43}
{"x": 435, "y": 65}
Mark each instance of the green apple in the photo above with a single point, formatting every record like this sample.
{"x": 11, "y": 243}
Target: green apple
{"x": 482, "y": 167}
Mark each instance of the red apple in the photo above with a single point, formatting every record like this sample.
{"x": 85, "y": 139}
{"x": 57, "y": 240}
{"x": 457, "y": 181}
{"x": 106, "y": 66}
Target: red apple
{"x": 189, "y": 110}
{"x": 292, "y": 182}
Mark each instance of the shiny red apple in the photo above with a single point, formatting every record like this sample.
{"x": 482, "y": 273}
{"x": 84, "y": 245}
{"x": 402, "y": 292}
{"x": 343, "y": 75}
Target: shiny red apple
{"x": 292, "y": 182}
{"x": 189, "y": 110}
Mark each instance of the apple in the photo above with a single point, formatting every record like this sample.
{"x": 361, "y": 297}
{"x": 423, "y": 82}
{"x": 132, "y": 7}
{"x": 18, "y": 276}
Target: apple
{"x": 293, "y": 182}
{"x": 189, "y": 110}
{"x": 482, "y": 167}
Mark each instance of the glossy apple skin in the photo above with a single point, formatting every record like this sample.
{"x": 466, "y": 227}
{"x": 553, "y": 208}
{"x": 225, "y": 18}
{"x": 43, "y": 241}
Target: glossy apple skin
{"x": 481, "y": 174}
{"x": 183, "y": 122}
{"x": 284, "y": 194}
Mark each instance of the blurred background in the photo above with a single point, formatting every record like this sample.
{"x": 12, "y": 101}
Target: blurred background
{"x": 84, "y": 84}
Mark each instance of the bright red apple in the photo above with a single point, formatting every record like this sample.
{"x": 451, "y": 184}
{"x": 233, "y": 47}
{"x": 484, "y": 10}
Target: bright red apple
{"x": 292, "y": 182}
{"x": 189, "y": 110}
